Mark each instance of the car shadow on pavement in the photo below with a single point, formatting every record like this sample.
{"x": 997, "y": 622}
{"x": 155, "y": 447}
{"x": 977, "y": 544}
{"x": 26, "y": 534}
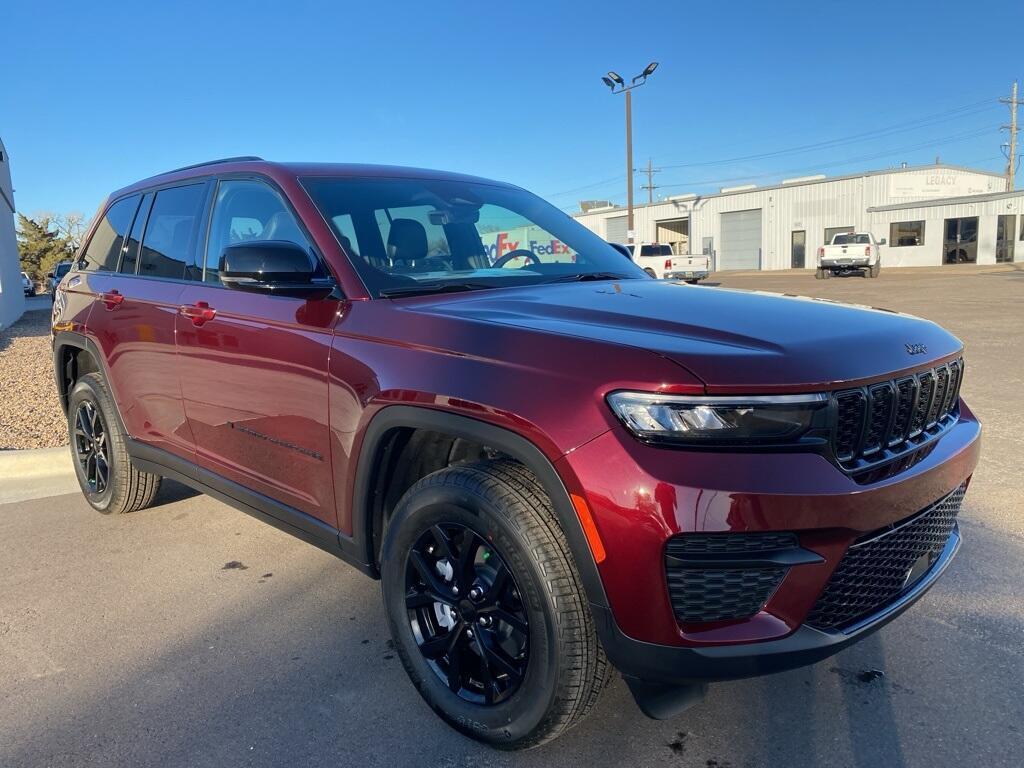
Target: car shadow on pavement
{"x": 172, "y": 491}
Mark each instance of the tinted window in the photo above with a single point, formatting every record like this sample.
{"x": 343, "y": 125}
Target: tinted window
{"x": 170, "y": 232}
{"x": 248, "y": 210}
{"x": 105, "y": 247}
{"x": 655, "y": 250}
{"x": 130, "y": 259}
{"x": 851, "y": 240}
{"x": 402, "y": 234}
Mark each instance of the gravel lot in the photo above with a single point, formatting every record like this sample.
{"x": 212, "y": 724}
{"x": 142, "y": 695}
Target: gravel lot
{"x": 30, "y": 415}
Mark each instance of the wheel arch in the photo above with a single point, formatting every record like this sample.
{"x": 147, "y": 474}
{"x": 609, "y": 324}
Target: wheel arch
{"x": 373, "y": 456}
{"x": 75, "y": 355}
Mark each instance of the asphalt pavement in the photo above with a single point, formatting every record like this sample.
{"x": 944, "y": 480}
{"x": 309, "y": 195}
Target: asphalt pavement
{"x": 189, "y": 634}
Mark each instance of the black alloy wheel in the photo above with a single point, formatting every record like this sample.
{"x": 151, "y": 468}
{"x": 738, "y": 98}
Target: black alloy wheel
{"x": 91, "y": 447}
{"x": 466, "y": 614}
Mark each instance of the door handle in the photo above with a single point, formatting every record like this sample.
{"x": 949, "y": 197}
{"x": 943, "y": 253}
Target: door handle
{"x": 112, "y": 299}
{"x": 198, "y": 313}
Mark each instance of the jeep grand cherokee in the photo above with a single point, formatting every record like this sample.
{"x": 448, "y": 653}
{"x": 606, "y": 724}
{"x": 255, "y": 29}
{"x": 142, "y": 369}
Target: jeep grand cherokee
{"x": 556, "y": 466}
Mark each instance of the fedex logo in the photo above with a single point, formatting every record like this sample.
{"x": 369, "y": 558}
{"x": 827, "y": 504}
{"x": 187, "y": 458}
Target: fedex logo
{"x": 504, "y": 244}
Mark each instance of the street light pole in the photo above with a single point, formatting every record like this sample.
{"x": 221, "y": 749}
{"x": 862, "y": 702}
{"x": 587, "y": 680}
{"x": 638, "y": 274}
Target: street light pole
{"x": 617, "y": 85}
{"x": 629, "y": 166}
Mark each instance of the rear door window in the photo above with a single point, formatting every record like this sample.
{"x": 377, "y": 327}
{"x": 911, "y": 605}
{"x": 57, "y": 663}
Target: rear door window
{"x": 130, "y": 259}
{"x": 104, "y": 250}
{"x": 171, "y": 231}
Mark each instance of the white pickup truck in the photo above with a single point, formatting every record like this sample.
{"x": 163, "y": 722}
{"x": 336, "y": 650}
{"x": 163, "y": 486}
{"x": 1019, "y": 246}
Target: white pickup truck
{"x": 850, "y": 252}
{"x": 657, "y": 260}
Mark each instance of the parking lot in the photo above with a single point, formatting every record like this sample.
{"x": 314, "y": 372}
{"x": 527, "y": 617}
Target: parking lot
{"x": 191, "y": 634}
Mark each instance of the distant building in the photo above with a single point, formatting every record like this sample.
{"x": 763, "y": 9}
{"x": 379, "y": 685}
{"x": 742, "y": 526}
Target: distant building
{"x": 929, "y": 216}
{"x": 589, "y": 205}
{"x": 12, "y": 296}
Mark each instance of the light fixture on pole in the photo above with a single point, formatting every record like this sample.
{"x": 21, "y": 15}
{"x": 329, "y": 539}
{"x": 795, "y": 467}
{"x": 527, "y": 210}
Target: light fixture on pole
{"x": 616, "y": 84}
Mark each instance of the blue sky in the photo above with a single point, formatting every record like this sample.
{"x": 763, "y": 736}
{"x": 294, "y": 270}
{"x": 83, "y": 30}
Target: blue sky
{"x": 94, "y": 96}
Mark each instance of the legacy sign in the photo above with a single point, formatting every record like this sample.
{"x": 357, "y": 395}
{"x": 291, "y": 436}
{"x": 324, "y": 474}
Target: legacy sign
{"x": 932, "y": 186}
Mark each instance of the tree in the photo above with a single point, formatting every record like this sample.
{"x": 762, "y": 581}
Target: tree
{"x": 44, "y": 240}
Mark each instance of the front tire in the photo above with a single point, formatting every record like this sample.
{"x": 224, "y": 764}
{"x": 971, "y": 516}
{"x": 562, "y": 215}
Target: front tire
{"x": 108, "y": 479}
{"x": 486, "y": 608}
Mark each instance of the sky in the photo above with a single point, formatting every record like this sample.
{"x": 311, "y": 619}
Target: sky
{"x": 94, "y": 96}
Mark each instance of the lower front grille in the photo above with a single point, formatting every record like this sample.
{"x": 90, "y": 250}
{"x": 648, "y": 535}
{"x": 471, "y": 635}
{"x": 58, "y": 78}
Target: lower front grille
{"x": 718, "y": 594}
{"x": 881, "y": 566}
{"x": 727, "y": 576}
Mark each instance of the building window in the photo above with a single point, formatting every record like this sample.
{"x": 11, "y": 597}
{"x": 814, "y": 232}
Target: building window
{"x": 903, "y": 233}
{"x": 831, "y": 232}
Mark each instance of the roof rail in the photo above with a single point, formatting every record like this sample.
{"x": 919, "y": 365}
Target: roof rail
{"x": 238, "y": 159}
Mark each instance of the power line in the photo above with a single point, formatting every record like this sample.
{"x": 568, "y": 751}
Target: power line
{"x": 938, "y": 118}
{"x": 960, "y": 112}
{"x": 846, "y": 161}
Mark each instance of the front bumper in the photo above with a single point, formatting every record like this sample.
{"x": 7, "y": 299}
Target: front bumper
{"x": 669, "y": 665}
{"x": 641, "y": 496}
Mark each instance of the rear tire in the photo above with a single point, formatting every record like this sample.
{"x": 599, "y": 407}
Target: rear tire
{"x": 823, "y": 274}
{"x": 875, "y": 269}
{"x": 563, "y": 669}
{"x": 650, "y": 272}
{"x": 108, "y": 479}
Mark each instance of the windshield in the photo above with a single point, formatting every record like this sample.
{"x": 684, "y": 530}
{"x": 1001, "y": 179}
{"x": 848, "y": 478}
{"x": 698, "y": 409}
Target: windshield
{"x": 404, "y": 235}
{"x": 851, "y": 240}
{"x": 655, "y": 250}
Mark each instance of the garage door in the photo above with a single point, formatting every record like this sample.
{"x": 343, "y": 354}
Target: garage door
{"x": 615, "y": 229}
{"x": 741, "y": 240}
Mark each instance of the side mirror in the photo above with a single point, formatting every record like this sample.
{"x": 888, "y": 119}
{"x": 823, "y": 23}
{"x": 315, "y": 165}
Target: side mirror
{"x": 274, "y": 267}
{"x": 882, "y": 241}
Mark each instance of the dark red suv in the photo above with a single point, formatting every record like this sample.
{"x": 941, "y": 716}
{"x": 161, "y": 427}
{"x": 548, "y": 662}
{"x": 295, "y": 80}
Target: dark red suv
{"x": 555, "y": 464}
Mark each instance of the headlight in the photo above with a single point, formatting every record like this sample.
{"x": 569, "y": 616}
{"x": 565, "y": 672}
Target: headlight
{"x": 761, "y": 419}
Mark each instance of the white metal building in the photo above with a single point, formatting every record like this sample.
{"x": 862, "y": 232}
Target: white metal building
{"x": 12, "y": 296}
{"x": 928, "y": 215}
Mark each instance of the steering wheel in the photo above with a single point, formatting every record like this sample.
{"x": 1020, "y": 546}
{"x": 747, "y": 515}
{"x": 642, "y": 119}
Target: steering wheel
{"x": 520, "y": 253}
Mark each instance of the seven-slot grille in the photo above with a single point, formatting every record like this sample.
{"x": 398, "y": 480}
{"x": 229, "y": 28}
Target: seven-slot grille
{"x": 886, "y": 423}
{"x": 876, "y": 569}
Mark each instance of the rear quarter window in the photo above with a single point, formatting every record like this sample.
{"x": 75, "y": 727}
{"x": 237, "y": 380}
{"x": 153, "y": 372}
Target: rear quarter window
{"x": 104, "y": 249}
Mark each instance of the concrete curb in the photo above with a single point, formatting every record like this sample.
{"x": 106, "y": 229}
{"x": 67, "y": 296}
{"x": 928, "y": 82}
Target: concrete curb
{"x": 36, "y": 474}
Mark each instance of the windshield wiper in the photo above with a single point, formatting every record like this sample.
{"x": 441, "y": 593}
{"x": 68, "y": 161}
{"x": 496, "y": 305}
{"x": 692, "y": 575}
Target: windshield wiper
{"x": 425, "y": 288}
{"x": 586, "y": 276}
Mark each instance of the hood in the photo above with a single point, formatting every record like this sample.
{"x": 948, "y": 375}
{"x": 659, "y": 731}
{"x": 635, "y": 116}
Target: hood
{"x": 734, "y": 341}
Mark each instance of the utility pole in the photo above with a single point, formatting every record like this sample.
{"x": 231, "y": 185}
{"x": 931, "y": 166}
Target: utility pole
{"x": 1011, "y": 158}
{"x": 615, "y": 82}
{"x": 650, "y": 186}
